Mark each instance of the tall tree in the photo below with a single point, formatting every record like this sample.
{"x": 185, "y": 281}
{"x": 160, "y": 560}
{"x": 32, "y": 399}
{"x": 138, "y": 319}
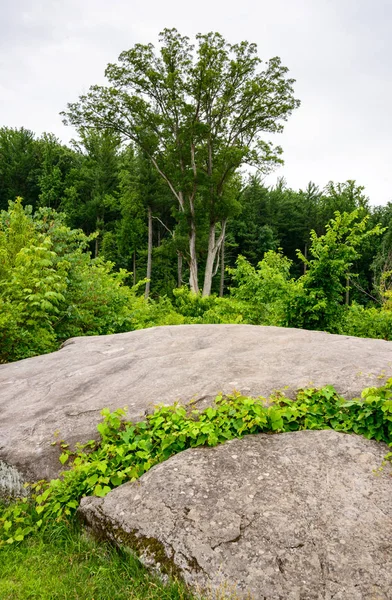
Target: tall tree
{"x": 342, "y": 197}
{"x": 101, "y": 174}
{"x": 332, "y": 258}
{"x": 19, "y": 166}
{"x": 198, "y": 115}
{"x": 58, "y": 165}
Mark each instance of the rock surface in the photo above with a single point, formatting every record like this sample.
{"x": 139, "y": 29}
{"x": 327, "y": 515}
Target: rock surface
{"x": 65, "y": 391}
{"x": 294, "y": 516}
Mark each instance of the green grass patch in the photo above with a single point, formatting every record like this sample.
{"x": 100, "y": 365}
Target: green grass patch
{"x": 64, "y": 564}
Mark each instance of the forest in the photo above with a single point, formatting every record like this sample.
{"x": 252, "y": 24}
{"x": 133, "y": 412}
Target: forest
{"x": 158, "y": 214}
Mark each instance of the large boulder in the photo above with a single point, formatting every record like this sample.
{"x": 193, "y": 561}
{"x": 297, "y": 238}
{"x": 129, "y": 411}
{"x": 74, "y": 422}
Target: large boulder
{"x": 64, "y": 391}
{"x": 294, "y": 516}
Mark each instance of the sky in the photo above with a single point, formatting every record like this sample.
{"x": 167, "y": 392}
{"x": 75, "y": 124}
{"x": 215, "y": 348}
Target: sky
{"x": 339, "y": 52}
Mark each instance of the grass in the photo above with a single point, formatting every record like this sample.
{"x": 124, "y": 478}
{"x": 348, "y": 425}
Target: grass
{"x": 64, "y": 564}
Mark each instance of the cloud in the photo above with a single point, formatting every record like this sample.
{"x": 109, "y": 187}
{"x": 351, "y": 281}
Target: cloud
{"x": 339, "y": 51}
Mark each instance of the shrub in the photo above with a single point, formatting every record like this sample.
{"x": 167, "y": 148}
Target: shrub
{"x": 196, "y": 308}
{"x": 32, "y": 286}
{"x": 51, "y": 289}
{"x": 367, "y": 322}
{"x": 265, "y": 294}
{"x": 321, "y": 305}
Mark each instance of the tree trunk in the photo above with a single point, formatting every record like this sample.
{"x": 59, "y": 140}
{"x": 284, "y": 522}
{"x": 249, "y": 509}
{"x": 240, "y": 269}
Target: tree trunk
{"x": 149, "y": 254}
{"x": 134, "y": 267}
{"x": 193, "y": 274}
{"x": 306, "y": 256}
{"x": 99, "y": 222}
{"x": 210, "y": 261}
{"x": 213, "y": 248}
{"x": 179, "y": 269}
{"x": 222, "y": 268}
{"x": 96, "y": 247}
{"x": 347, "y": 289}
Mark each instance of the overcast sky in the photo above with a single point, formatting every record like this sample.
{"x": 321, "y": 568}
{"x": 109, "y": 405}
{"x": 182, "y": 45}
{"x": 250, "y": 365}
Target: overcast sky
{"x": 339, "y": 51}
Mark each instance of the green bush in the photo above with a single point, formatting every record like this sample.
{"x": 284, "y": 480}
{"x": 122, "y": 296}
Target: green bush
{"x": 268, "y": 296}
{"x": 265, "y": 295}
{"x": 195, "y": 308}
{"x": 367, "y": 322}
{"x": 321, "y": 305}
{"x": 32, "y": 286}
{"x": 188, "y": 308}
{"x": 51, "y": 289}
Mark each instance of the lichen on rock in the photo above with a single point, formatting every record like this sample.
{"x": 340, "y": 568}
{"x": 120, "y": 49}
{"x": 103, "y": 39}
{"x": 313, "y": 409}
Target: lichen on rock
{"x": 11, "y": 482}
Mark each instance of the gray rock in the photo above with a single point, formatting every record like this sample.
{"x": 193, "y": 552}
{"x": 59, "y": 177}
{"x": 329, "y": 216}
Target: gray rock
{"x": 65, "y": 391}
{"x": 294, "y": 516}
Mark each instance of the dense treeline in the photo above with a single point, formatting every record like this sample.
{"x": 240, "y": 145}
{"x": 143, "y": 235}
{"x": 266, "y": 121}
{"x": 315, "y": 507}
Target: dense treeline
{"x": 105, "y": 188}
{"x": 74, "y": 260}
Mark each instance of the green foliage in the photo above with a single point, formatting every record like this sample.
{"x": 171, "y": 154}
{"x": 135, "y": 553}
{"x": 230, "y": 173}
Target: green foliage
{"x": 188, "y": 308}
{"x": 196, "y": 308}
{"x": 321, "y": 304}
{"x": 341, "y": 197}
{"x": 51, "y": 289}
{"x": 266, "y": 293}
{"x": 19, "y": 166}
{"x": 127, "y": 450}
{"x": 198, "y": 114}
{"x": 32, "y": 286}
{"x": 62, "y": 563}
{"x": 56, "y": 171}
{"x": 369, "y": 322}
{"x": 282, "y": 217}
{"x": 316, "y": 300}
{"x": 92, "y": 203}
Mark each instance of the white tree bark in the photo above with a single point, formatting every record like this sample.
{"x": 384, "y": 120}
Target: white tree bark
{"x": 222, "y": 268}
{"x": 149, "y": 255}
{"x": 179, "y": 269}
{"x": 213, "y": 248}
{"x": 193, "y": 271}
{"x": 193, "y": 267}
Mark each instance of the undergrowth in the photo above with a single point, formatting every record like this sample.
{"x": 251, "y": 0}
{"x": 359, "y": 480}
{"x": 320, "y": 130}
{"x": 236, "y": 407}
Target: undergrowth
{"x": 127, "y": 450}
